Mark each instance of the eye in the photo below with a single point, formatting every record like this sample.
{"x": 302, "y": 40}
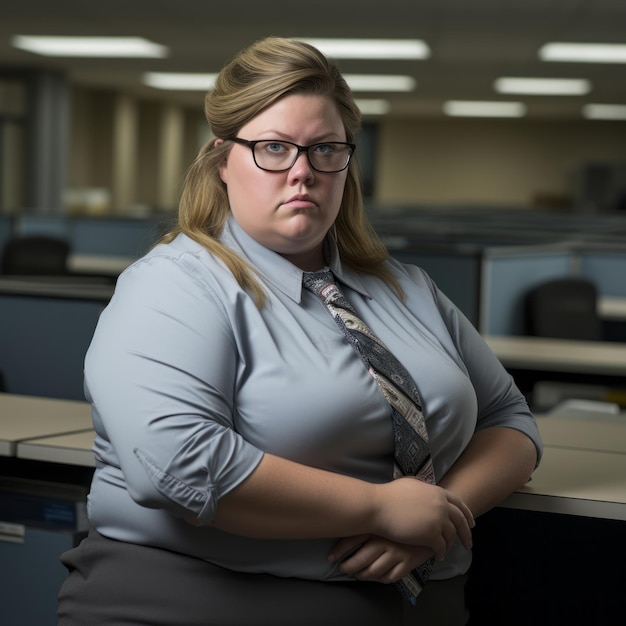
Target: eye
{"x": 275, "y": 147}
{"x": 325, "y": 148}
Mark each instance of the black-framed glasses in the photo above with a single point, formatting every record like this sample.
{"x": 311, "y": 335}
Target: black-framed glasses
{"x": 276, "y": 155}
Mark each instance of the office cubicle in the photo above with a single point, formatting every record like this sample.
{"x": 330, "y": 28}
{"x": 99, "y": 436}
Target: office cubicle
{"x": 45, "y": 329}
{"x": 508, "y": 274}
{"x": 6, "y": 229}
{"x": 108, "y": 236}
{"x": 456, "y": 273}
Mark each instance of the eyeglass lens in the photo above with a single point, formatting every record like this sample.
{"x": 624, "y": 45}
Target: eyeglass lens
{"x": 279, "y": 155}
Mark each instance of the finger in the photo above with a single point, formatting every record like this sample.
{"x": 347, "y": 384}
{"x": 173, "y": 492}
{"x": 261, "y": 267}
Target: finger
{"x": 361, "y": 562}
{"x": 345, "y": 546}
{"x": 461, "y": 526}
{"x": 439, "y": 547}
{"x": 450, "y": 534}
{"x": 465, "y": 510}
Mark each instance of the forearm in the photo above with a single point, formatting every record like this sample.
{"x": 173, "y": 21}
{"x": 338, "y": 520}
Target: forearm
{"x": 283, "y": 499}
{"x": 496, "y": 462}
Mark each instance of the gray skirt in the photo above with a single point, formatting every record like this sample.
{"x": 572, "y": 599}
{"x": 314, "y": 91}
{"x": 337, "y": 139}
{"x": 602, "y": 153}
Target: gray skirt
{"x": 122, "y": 584}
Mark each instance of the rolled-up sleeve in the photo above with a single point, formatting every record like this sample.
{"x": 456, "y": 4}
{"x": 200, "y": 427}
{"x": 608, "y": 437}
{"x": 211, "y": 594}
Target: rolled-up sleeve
{"x": 161, "y": 373}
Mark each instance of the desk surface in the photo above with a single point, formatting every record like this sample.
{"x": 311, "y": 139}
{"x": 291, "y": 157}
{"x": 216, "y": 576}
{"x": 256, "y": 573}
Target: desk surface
{"x": 72, "y": 449}
{"x": 56, "y": 286}
{"x": 576, "y": 482}
{"x": 612, "y": 308}
{"x": 562, "y": 355}
{"x": 98, "y": 264}
{"x": 29, "y": 417}
{"x": 599, "y": 433}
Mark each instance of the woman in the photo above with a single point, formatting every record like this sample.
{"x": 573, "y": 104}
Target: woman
{"x": 245, "y": 455}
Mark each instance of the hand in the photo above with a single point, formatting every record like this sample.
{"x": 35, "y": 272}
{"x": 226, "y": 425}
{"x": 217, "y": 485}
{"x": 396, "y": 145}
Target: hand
{"x": 413, "y": 512}
{"x": 368, "y": 557}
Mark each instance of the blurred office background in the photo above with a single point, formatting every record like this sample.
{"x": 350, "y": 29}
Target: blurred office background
{"x": 93, "y": 135}
{"x": 493, "y": 150}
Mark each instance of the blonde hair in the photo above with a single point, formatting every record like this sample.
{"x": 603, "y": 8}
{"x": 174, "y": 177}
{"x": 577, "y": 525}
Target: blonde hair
{"x": 256, "y": 78}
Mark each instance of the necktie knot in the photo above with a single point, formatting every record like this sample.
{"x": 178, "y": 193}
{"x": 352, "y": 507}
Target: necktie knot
{"x": 323, "y": 285}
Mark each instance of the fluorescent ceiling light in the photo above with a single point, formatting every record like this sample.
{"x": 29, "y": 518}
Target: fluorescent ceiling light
{"x": 543, "y": 86}
{"x": 476, "y": 108}
{"x": 584, "y": 52}
{"x": 90, "y": 46}
{"x": 179, "y": 82}
{"x": 380, "y": 82}
{"x": 371, "y": 48}
{"x": 604, "y": 111}
{"x": 373, "y": 106}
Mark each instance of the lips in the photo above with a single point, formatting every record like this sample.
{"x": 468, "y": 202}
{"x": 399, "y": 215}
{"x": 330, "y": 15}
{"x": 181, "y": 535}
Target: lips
{"x": 300, "y": 201}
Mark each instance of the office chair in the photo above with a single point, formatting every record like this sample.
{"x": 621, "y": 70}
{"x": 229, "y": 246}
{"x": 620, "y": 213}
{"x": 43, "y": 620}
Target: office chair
{"x": 564, "y": 308}
{"x": 35, "y": 255}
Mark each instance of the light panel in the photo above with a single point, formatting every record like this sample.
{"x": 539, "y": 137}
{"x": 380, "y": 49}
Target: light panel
{"x": 583, "y": 52}
{"x": 604, "y": 111}
{"x": 179, "y": 81}
{"x": 109, "y": 47}
{"x": 373, "y": 106}
{"x": 477, "y": 108}
{"x": 380, "y": 82}
{"x": 543, "y": 86}
{"x": 410, "y": 49}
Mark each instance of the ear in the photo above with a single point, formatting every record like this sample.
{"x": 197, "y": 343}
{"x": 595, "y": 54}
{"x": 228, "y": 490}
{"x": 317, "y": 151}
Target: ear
{"x": 223, "y": 168}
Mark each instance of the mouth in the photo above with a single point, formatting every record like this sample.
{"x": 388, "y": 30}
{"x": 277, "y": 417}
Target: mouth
{"x": 300, "y": 201}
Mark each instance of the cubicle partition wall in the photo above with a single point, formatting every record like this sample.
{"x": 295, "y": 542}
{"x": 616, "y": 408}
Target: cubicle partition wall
{"x": 45, "y": 330}
{"x": 98, "y": 236}
{"x": 6, "y": 230}
{"x": 507, "y": 276}
{"x": 115, "y": 237}
{"x": 509, "y": 273}
{"x": 606, "y": 267}
{"x": 455, "y": 271}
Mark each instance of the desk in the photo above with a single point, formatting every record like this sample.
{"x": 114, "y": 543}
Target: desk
{"x": 612, "y": 308}
{"x": 98, "y": 264}
{"x": 29, "y": 417}
{"x": 563, "y": 531}
{"x": 71, "y": 449}
{"x": 76, "y": 287}
{"x": 559, "y": 355}
{"x": 583, "y": 470}
{"x": 594, "y": 433}
{"x": 576, "y": 482}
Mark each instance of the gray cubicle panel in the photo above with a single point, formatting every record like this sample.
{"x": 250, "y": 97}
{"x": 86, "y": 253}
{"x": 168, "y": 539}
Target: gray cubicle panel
{"x": 456, "y": 273}
{"x": 126, "y": 237}
{"x": 606, "y": 267}
{"x": 50, "y": 225}
{"x": 6, "y": 230}
{"x": 32, "y": 574}
{"x": 507, "y": 276}
{"x": 43, "y": 340}
{"x": 115, "y": 237}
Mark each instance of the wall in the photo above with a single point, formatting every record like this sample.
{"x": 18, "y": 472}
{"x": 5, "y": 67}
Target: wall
{"x": 488, "y": 162}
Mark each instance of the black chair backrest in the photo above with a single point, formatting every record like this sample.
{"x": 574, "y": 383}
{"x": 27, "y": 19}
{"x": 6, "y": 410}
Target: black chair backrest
{"x": 565, "y": 308}
{"x": 35, "y": 255}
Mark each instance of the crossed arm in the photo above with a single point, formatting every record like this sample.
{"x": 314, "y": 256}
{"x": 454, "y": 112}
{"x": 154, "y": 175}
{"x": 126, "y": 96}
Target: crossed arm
{"x": 390, "y": 528}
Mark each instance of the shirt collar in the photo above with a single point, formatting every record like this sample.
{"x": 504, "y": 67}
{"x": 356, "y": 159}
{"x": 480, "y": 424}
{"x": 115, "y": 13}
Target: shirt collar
{"x": 276, "y": 270}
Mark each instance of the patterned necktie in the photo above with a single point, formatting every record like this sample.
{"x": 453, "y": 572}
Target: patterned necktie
{"x": 412, "y": 452}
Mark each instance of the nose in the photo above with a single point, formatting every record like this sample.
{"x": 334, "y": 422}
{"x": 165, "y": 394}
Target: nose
{"x": 301, "y": 170}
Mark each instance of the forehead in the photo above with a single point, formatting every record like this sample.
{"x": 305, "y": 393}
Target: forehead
{"x": 299, "y": 114}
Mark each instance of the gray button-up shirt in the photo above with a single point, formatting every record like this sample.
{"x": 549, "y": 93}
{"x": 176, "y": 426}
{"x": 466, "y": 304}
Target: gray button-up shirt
{"x": 191, "y": 383}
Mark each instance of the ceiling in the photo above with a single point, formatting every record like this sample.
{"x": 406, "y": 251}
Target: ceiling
{"x": 473, "y": 42}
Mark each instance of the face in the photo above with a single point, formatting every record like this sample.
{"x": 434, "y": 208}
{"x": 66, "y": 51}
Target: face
{"x": 289, "y": 212}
